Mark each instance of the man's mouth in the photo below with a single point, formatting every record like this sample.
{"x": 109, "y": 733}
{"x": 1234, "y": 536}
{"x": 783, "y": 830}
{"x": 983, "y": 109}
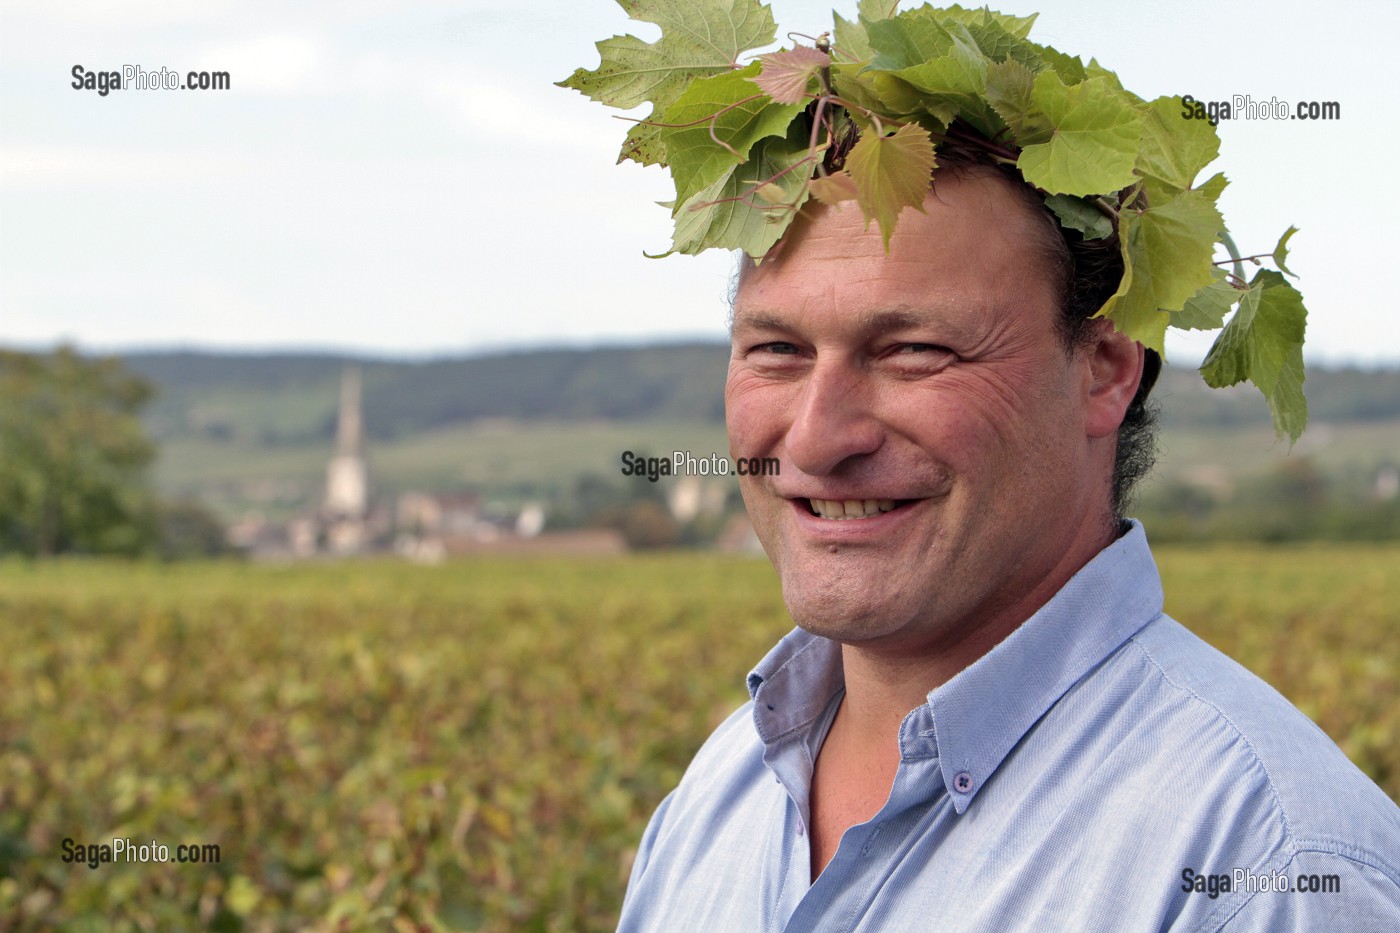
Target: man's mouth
{"x": 839, "y": 509}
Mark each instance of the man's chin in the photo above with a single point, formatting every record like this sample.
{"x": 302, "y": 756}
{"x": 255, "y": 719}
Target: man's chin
{"x": 843, "y": 611}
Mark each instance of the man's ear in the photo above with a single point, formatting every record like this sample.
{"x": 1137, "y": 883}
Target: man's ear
{"x": 1115, "y": 365}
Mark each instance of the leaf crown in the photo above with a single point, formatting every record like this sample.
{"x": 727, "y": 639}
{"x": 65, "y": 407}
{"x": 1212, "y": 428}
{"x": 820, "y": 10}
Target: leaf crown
{"x": 860, "y": 116}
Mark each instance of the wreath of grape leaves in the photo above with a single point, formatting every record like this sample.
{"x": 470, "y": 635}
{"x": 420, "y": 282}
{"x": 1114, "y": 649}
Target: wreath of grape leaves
{"x": 746, "y": 146}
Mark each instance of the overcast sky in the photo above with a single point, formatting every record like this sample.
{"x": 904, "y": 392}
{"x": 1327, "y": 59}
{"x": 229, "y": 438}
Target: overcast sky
{"x": 403, "y": 177}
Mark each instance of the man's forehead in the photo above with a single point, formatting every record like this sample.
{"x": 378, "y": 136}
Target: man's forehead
{"x": 976, "y": 234}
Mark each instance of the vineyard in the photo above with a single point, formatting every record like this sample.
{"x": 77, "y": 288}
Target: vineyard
{"x": 476, "y": 745}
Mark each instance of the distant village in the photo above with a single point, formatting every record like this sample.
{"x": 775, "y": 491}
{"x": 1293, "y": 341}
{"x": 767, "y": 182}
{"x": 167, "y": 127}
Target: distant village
{"x": 429, "y": 527}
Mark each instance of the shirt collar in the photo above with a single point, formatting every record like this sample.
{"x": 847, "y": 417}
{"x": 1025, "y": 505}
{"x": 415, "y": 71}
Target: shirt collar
{"x": 981, "y": 713}
{"x": 975, "y": 719}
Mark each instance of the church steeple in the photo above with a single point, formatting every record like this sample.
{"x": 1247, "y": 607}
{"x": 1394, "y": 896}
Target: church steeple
{"x": 349, "y": 431}
{"x": 347, "y": 476}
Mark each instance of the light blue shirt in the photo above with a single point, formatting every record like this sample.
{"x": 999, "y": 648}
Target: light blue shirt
{"x": 1067, "y": 780}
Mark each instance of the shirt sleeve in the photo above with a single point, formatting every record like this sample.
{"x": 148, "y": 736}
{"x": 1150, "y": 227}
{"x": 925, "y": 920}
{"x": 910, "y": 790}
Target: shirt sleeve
{"x": 644, "y": 849}
{"x": 1325, "y": 891}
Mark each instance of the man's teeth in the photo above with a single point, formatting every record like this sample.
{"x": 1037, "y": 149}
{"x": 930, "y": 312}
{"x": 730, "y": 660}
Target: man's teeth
{"x": 850, "y": 508}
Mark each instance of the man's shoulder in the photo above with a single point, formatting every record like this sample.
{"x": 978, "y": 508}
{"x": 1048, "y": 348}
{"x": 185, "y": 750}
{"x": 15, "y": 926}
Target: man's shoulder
{"x": 1319, "y": 800}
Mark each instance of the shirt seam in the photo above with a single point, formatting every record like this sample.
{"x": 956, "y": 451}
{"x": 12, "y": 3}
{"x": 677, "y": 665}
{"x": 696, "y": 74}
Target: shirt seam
{"x": 1239, "y": 733}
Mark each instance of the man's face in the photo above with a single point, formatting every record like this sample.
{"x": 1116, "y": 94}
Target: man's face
{"x": 942, "y": 458}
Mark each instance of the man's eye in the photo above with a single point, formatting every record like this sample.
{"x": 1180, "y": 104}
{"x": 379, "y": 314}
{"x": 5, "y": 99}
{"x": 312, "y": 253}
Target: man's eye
{"x": 922, "y": 358}
{"x": 778, "y": 347}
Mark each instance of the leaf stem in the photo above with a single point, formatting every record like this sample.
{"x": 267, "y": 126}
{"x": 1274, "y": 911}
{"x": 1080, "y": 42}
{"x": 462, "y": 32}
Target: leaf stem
{"x": 1229, "y": 243}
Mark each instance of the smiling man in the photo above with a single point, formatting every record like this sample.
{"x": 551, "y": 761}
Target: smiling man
{"x": 965, "y": 251}
{"x": 984, "y": 721}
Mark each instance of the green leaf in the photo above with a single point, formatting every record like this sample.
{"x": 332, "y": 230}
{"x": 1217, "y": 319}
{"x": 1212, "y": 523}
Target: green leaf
{"x": 1213, "y": 186}
{"x": 1170, "y": 248}
{"x": 999, "y": 44}
{"x": 697, "y": 40}
{"x": 1206, "y": 310}
{"x": 1264, "y": 343}
{"x": 643, "y": 144}
{"x": 787, "y": 75}
{"x": 860, "y": 89}
{"x": 954, "y": 83}
{"x": 851, "y": 39}
{"x": 891, "y": 173}
{"x": 1281, "y": 250}
{"x": 911, "y": 38}
{"x": 713, "y": 218}
{"x": 1079, "y": 214}
{"x": 873, "y": 10}
{"x": 727, "y": 107}
{"x": 1069, "y": 67}
{"x": 899, "y": 98}
{"x": 1174, "y": 151}
{"x": 1009, "y": 86}
{"x": 834, "y": 188}
{"x": 1094, "y": 143}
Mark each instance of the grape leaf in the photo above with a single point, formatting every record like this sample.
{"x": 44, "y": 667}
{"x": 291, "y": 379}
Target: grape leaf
{"x": 1078, "y": 214}
{"x": 1173, "y": 150}
{"x": 643, "y": 144}
{"x": 1069, "y": 67}
{"x": 1171, "y": 247}
{"x": 891, "y": 173}
{"x": 1094, "y": 142}
{"x": 697, "y": 40}
{"x": 954, "y": 83}
{"x": 1280, "y": 254}
{"x": 717, "y": 218}
{"x": 786, "y": 75}
{"x": 911, "y": 38}
{"x": 1018, "y": 27}
{"x": 834, "y": 188}
{"x": 1008, "y": 87}
{"x": 1206, "y": 309}
{"x": 898, "y": 97}
{"x": 872, "y": 10}
{"x": 851, "y": 40}
{"x": 999, "y": 44}
{"x": 733, "y": 110}
{"x": 1264, "y": 343}
{"x": 858, "y": 88}
{"x": 1125, "y": 284}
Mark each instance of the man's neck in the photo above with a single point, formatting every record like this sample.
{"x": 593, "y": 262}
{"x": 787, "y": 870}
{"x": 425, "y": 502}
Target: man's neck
{"x": 884, "y": 682}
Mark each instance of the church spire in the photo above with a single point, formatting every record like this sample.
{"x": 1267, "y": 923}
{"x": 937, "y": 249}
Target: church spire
{"x": 347, "y": 476}
{"x": 349, "y": 433}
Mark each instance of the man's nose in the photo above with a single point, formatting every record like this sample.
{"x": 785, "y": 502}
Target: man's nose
{"x": 833, "y": 421}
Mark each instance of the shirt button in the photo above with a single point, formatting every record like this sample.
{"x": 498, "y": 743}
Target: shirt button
{"x": 962, "y": 783}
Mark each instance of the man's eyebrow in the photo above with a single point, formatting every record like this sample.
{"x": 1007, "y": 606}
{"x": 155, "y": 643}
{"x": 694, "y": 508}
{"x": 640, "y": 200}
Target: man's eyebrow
{"x": 884, "y": 320}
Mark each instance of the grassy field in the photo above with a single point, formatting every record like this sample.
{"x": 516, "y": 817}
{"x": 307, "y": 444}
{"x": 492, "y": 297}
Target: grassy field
{"x": 475, "y": 745}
